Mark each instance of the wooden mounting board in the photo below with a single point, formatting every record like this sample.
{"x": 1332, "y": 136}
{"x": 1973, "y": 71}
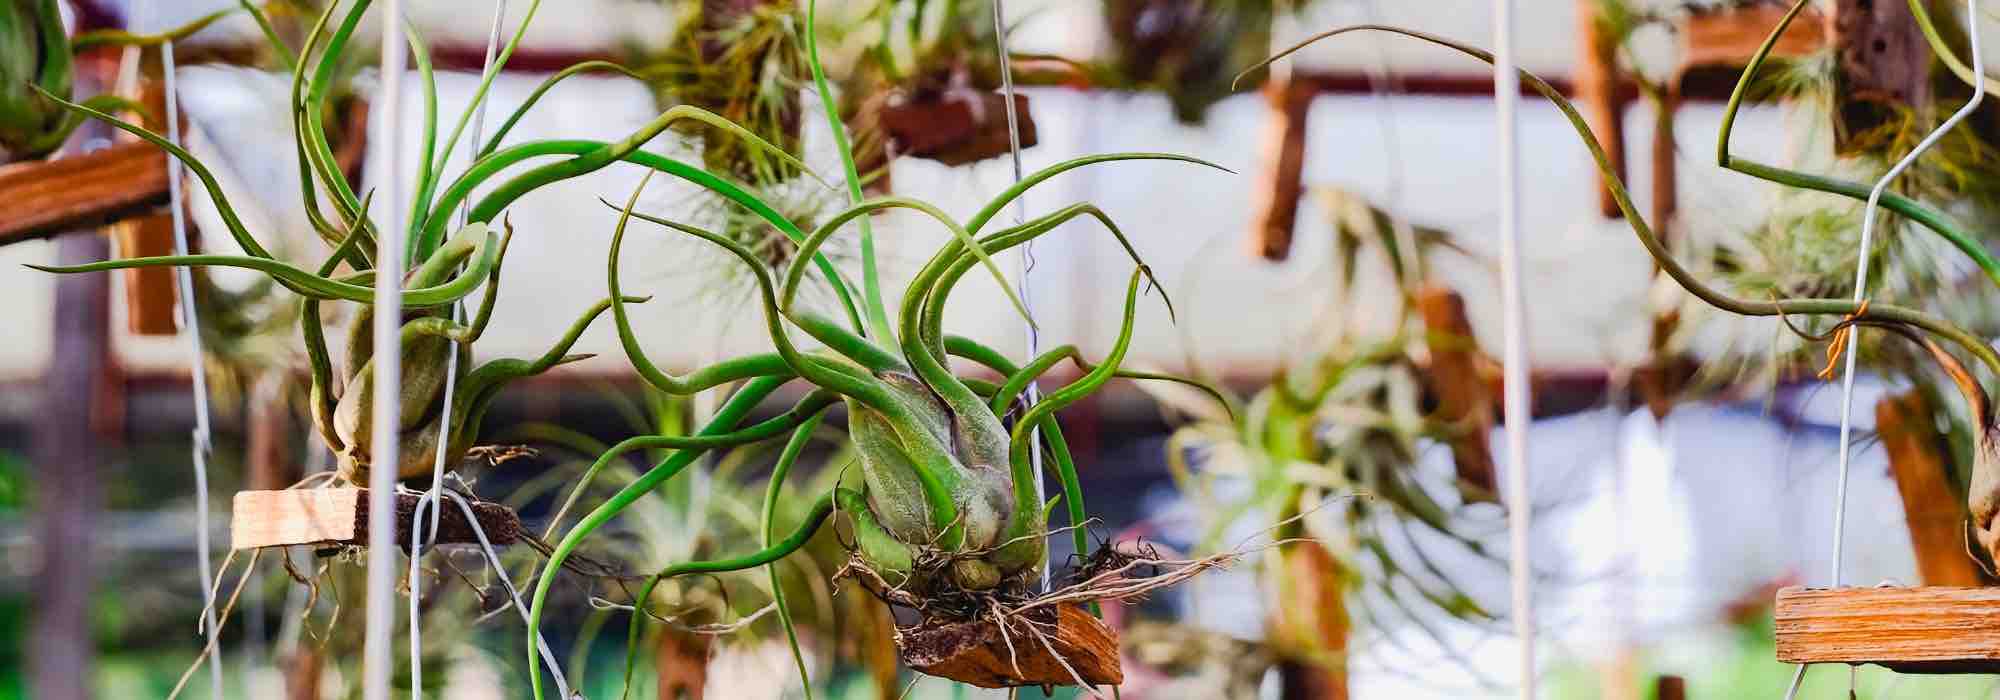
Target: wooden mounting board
{"x": 339, "y": 516}
{"x": 1909, "y": 630}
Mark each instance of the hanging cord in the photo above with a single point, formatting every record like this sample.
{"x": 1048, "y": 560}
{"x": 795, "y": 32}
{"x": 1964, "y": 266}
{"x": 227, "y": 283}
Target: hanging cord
{"x": 197, "y": 356}
{"x": 377, "y": 653}
{"x": 1852, "y": 338}
{"x": 430, "y": 498}
{"x": 1515, "y": 406}
{"x": 1022, "y": 288}
{"x": 492, "y": 561}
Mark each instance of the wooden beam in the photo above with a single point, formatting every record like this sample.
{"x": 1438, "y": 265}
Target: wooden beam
{"x": 1281, "y": 177}
{"x": 339, "y": 516}
{"x": 1919, "y": 460}
{"x": 1597, "y": 88}
{"x": 1909, "y": 630}
{"x": 1464, "y": 399}
{"x": 43, "y": 198}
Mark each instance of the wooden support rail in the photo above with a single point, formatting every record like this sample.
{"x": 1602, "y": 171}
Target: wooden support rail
{"x": 43, "y": 198}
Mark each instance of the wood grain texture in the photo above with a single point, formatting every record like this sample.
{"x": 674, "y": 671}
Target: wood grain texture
{"x": 337, "y": 516}
{"x": 1909, "y": 630}
{"x": 43, "y": 198}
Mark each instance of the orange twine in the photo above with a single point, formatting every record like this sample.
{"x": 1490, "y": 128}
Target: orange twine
{"x": 1838, "y": 341}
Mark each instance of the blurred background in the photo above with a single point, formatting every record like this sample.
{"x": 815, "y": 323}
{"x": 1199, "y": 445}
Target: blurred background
{"x": 1341, "y": 280}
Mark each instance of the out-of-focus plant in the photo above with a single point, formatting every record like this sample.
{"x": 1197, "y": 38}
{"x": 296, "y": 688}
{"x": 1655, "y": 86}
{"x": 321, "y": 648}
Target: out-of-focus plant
{"x": 1190, "y": 49}
{"x": 37, "y": 71}
{"x": 1328, "y": 454}
{"x": 441, "y": 271}
{"x": 1981, "y": 443}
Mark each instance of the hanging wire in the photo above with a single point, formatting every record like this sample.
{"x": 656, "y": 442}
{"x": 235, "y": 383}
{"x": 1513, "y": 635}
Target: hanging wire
{"x": 1022, "y": 288}
{"x": 430, "y": 498}
{"x": 190, "y": 322}
{"x": 1868, "y": 216}
{"x": 377, "y": 652}
{"x": 1515, "y": 406}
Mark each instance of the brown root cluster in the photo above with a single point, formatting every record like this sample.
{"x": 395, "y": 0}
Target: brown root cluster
{"x": 1012, "y": 637}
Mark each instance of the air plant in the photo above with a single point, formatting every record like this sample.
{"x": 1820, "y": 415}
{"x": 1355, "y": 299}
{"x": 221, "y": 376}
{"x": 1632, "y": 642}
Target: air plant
{"x": 1927, "y": 331}
{"x": 948, "y": 517}
{"x": 1190, "y": 48}
{"x": 1341, "y": 430}
{"x": 37, "y": 59}
{"x": 443, "y": 271}
{"x": 739, "y": 59}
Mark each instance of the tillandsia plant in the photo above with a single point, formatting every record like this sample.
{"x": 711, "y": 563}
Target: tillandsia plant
{"x": 1927, "y": 331}
{"x": 1190, "y": 48}
{"x": 442, "y": 270}
{"x": 947, "y": 517}
{"x": 741, "y": 60}
{"x": 1328, "y": 454}
{"x": 37, "y": 58}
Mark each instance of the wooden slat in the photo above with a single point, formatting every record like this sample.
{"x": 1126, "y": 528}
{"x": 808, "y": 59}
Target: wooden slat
{"x": 337, "y": 516}
{"x": 1281, "y": 178}
{"x": 150, "y": 292}
{"x": 39, "y": 199}
{"x": 1464, "y": 400}
{"x": 1933, "y": 508}
{"x": 1910, "y": 630}
{"x": 1728, "y": 37}
{"x": 1598, "y": 91}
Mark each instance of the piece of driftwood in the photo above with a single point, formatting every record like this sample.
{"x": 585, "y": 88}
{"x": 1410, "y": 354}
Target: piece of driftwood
{"x": 955, "y": 127}
{"x": 339, "y": 516}
{"x": 1908, "y": 630}
{"x": 1670, "y": 688}
{"x": 1465, "y": 400}
{"x": 1882, "y": 63}
{"x": 1281, "y": 177}
{"x": 976, "y": 652}
{"x": 1935, "y": 511}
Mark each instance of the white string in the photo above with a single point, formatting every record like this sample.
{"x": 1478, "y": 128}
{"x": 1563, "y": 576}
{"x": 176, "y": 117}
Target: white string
{"x": 1515, "y": 406}
{"x": 1860, "y": 289}
{"x": 197, "y": 357}
{"x": 1022, "y": 288}
{"x": 379, "y": 647}
{"x": 493, "y": 560}
{"x": 444, "y": 437}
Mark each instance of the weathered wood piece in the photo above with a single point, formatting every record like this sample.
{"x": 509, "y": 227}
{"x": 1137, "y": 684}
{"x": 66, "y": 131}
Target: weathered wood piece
{"x": 1670, "y": 688}
{"x": 1934, "y": 509}
{"x": 340, "y": 516}
{"x": 43, "y": 198}
{"x": 1281, "y": 179}
{"x": 1464, "y": 399}
{"x": 955, "y": 128}
{"x": 1310, "y": 626}
{"x": 1882, "y": 62}
{"x": 1909, "y": 630}
{"x": 976, "y": 652}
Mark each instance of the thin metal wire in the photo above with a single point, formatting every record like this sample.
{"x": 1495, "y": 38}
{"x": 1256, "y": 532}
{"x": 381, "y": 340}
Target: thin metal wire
{"x": 429, "y": 499}
{"x": 1860, "y": 291}
{"x": 378, "y": 649}
{"x": 1515, "y": 407}
{"x": 1022, "y": 288}
{"x": 197, "y": 357}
